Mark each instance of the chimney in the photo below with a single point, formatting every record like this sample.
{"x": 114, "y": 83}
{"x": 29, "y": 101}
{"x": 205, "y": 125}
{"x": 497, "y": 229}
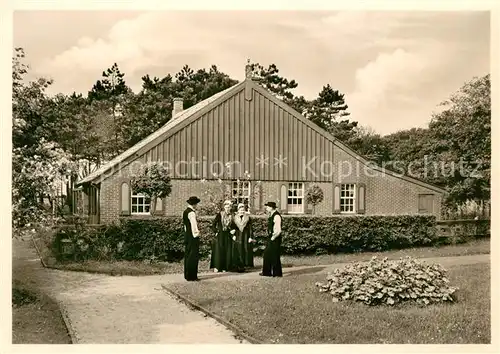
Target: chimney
{"x": 178, "y": 106}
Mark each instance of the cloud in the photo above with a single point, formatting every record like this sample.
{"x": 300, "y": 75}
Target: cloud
{"x": 390, "y": 87}
{"x": 400, "y": 89}
{"x": 296, "y": 40}
{"x": 170, "y": 40}
{"x": 394, "y": 67}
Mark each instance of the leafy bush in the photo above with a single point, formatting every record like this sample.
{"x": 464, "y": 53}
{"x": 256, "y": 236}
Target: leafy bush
{"x": 162, "y": 239}
{"x": 314, "y": 196}
{"x": 389, "y": 282}
{"x": 461, "y": 231}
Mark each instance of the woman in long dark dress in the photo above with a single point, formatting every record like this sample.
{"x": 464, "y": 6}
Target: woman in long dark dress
{"x": 224, "y": 228}
{"x": 243, "y": 245}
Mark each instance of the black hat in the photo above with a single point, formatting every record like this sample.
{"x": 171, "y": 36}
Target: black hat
{"x": 193, "y": 200}
{"x": 271, "y": 204}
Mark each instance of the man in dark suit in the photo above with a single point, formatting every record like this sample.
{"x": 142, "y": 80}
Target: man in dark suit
{"x": 272, "y": 253}
{"x": 191, "y": 240}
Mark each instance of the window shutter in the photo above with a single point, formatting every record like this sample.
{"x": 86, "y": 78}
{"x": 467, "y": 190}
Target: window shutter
{"x": 125, "y": 198}
{"x": 257, "y": 200}
{"x": 283, "y": 193}
{"x": 425, "y": 203}
{"x": 308, "y": 208}
{"x": 336, "y": 198}
{"x": 430, "y": 204}
{"x": 360, "y": 202}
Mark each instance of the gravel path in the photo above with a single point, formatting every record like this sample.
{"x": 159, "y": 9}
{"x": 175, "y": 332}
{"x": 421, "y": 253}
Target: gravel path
{"x": 103, "y": 309}
{"x": 117, "y": 310}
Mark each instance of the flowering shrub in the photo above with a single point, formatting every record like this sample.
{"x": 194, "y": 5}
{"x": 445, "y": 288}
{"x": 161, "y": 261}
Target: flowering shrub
{"x": 380, "y": 281}
{"x": 225, "y": 188}
{"x": 36, "y": 172}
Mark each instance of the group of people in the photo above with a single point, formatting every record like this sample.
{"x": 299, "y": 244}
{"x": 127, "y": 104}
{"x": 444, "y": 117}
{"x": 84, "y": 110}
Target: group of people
{"x": 232, "y": 247}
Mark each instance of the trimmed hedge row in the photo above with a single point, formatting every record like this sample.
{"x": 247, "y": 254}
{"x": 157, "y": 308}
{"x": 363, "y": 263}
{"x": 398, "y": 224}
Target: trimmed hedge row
{"x": 162, "y": 238}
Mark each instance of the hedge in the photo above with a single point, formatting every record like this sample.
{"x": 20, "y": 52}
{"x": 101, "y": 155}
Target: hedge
{"x": 162, "y": 238}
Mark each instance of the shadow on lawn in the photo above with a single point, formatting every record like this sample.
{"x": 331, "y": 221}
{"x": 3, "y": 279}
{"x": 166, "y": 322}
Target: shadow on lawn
{"x": 310, "y": 270}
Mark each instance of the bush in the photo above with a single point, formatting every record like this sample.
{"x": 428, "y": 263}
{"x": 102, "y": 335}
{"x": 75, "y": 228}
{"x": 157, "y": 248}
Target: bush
{"x": 22, "y": 297}
{"x": 389, "y": 282}
{"x": 162, "y": 238}
{"x": 462, "y": 231}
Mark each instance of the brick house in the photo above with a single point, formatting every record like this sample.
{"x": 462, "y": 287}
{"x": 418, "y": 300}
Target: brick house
{"x": 246, "y": 126}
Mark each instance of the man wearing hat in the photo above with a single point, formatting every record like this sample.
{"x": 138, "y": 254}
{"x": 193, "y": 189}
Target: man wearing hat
{"x": 191, "y": 240}
{"x": 272, "y": 261}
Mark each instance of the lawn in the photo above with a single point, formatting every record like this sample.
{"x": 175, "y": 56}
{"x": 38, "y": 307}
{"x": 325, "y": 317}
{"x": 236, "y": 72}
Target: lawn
{"x": 36, "y": 319}
{"x": 137, "y": 268}
{"x": 291, "y": 310}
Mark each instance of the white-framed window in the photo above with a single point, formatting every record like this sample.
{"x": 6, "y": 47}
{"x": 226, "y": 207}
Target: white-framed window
{"x": 241, "y": 192}
{"x": 140, "y": 204}
{"x": 348, "y": 198}
{"x": 295, "y": 202}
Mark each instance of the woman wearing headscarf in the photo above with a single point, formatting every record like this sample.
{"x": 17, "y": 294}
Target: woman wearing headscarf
{"x": 224, "y": 229}
{"x": 243, "y": 245}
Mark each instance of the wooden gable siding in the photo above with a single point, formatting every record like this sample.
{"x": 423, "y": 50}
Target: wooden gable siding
{"x": 246, "y": 130}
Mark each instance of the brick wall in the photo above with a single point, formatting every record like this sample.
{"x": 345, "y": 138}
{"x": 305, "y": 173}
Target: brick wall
{"x": 385, "y": 194}
{"x": 391, "y": 195}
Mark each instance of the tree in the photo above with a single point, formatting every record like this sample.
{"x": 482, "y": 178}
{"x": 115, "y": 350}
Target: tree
{"x": 455, "y": 150}
{"x": 195, "y": 86}
{"x": 328, "y": 110}
{"x": 154, "y": 182}
{"x": 314, "y": 196}
{"x": 151, "y": 108}
{"x": 111, "y": 85}
{"x": 29, "y": 105}
{"x": 36, "y": 173}
{"x": 369, "y": 145}
{"x": 110, "y": 94}
{"x": 37, "y": 163}
{"x": 461, "y": 133}
{"x": 270, "y": 79}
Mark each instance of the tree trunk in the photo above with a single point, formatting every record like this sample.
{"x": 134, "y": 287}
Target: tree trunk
{"x": 152, "y": 208}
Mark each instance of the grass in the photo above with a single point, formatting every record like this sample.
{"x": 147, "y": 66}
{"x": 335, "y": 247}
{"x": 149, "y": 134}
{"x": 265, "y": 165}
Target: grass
{"x": 36, "y": 319}
{"x": 291, "y": 310}
{"x": 138, "y": 268}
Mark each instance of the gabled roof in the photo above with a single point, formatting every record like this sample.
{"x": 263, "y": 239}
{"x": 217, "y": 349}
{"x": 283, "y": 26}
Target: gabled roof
{"x": 188, "y": 115}
{"x": 173, "y": 122}
{"x": 341, "y": 145}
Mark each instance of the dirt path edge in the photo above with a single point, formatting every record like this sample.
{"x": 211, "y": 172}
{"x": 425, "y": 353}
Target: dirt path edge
{"x": 238, "y": 332}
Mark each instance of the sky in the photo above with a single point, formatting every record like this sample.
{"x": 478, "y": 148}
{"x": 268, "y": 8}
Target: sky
{"x": 393, "y": 67}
